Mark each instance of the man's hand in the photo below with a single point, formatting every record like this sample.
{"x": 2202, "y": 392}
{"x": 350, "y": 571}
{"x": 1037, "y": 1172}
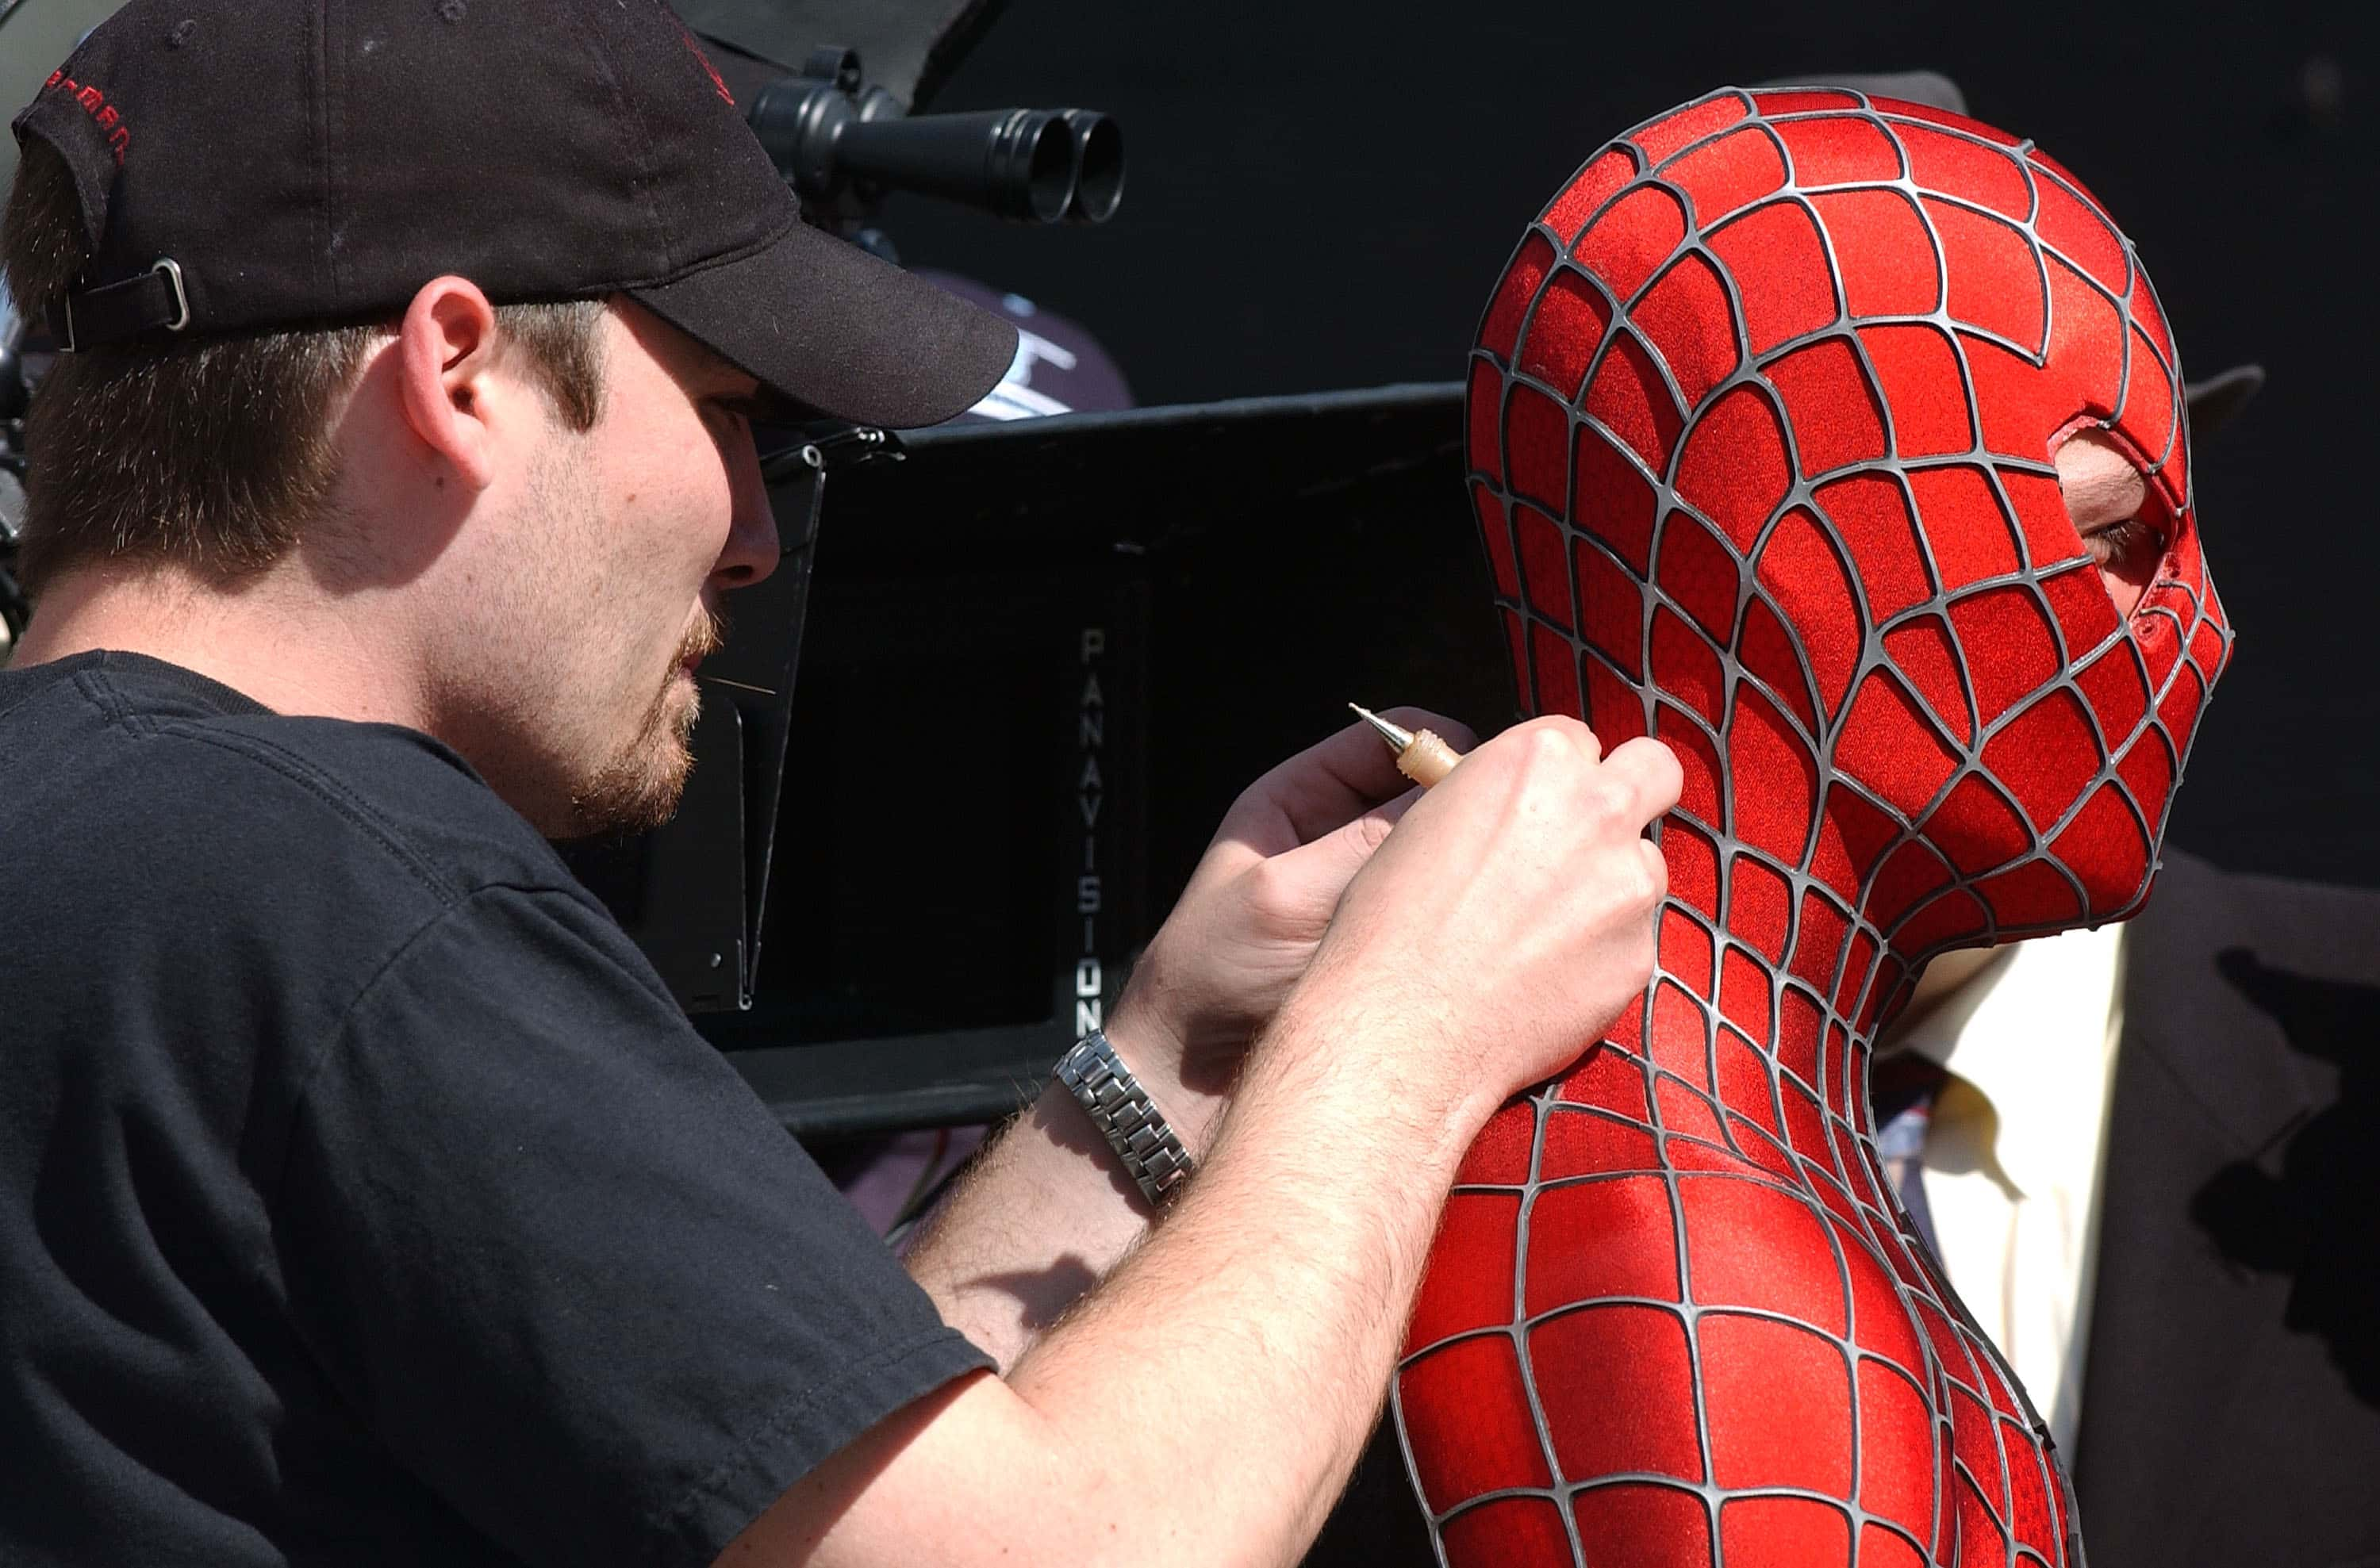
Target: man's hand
{"x": 1259, "y": 903}
{"x": 1505, "y": 923}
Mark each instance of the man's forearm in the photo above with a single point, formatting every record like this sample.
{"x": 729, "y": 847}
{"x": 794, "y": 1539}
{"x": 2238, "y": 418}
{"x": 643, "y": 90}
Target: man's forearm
{"x": 1046, "y": 1213}
{"x": 1217, "y": 1385}
{"x": 1206, "y": 1401}
{"x": 1047, "y": 1210}
{"x": 1234, "y": 1361}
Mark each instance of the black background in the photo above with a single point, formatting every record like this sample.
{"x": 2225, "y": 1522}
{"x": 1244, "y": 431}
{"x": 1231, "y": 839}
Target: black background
{"x": 1323, "y": 193}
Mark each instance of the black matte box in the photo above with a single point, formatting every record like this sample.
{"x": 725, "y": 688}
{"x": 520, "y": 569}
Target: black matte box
{"x": 1042, "y": 658}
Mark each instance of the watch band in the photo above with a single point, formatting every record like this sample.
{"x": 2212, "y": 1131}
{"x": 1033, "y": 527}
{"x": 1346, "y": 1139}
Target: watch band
{"x": 1120, "y": 1108}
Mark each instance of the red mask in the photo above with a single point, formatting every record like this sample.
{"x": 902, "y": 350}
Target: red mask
{"x": 1762, "y": 422}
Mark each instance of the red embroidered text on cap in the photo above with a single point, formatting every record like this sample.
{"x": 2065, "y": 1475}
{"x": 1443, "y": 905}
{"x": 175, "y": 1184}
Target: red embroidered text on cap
{"x": 94, "y": 103}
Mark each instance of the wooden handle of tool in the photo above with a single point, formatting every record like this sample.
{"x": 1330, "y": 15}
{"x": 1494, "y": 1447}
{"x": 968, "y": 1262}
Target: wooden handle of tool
{"x": 1429, "y": 759}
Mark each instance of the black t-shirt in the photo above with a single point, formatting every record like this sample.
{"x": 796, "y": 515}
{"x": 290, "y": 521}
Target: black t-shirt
{"x": 363, "y": 1196}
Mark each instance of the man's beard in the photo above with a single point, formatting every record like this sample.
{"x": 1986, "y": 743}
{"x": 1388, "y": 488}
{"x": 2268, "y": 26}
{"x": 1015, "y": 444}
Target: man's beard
{"x": 638, "y": 789}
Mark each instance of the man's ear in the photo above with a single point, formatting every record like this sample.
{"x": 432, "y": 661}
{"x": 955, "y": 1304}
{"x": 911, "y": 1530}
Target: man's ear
{"x": 446, "y": 351}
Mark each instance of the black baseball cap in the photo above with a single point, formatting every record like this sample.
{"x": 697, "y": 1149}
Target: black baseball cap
{"x": 253, "y": 164}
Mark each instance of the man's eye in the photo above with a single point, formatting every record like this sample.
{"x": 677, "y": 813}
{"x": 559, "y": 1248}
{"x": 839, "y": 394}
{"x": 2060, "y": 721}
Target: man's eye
{"x": 2130, "y": 542}
{"x": 730, "y": 411}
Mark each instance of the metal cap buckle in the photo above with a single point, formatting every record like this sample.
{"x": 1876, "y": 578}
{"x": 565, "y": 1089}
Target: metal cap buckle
{"x": 172, "y": 271}
{"x": 173, "y": 274}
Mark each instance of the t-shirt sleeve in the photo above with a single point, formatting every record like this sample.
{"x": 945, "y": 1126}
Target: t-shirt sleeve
{"x": 563, "y": 1263}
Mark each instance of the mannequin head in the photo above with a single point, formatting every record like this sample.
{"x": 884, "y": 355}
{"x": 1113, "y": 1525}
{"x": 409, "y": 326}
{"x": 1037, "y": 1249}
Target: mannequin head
{"x": 1768, "y": 419}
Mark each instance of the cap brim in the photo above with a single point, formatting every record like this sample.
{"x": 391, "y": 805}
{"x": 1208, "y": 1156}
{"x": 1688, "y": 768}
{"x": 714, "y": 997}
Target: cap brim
{"x": 2217, "y": 401}
{"x": 1930, "y": 88}
{"x": 832, "y": 328}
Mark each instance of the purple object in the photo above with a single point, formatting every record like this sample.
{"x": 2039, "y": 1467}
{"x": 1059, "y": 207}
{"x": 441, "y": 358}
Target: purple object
{"x": 1059, "y": 368}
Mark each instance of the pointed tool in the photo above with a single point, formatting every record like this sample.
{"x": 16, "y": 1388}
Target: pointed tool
{"x": 1422, "y": 756}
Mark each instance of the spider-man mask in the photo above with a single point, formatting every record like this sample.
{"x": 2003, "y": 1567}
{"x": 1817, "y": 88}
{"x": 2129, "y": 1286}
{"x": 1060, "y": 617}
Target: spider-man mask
{"x": 1763, "y": 418}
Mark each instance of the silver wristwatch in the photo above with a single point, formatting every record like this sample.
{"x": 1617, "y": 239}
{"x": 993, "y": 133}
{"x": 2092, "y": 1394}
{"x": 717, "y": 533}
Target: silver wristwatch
{"x": 1120, "y": 1108}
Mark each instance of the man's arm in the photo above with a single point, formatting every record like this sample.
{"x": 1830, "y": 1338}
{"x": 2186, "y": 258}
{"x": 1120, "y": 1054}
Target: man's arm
{"x": 1208, "y": 1397}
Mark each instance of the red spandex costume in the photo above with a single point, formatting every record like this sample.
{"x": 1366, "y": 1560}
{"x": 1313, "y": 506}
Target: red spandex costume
{"x": 1762, "y": 420}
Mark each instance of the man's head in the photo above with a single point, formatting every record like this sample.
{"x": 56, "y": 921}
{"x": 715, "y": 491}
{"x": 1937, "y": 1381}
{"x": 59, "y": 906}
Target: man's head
{"x": 437, "y": 325}
{"x": 563, "y": 579}
{"x": 234, "y": 431}
{"x": 560, "y": 492}
{"x": 1770, "y": 416}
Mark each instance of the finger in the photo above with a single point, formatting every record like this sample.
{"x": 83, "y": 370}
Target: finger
{"x": 1570, "y": 729}
{"x": 1651, "y": 772}
{"x": 1327, "y": 786}
{"x": 1324, "y": 866}
{"x": 1657, "y": 867}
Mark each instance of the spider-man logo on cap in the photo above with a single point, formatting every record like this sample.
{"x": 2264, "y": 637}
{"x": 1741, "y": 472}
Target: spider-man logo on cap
{"x": 1763, "y": 426}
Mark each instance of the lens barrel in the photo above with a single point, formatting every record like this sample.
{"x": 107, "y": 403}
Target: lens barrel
{"x": 826, "y": 134}
{"x": 1016, "y": 162}
{"x": 1099, "y": 165}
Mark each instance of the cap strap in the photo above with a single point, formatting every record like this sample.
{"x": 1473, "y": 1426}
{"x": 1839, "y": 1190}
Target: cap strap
{"x": 152, "y": 302}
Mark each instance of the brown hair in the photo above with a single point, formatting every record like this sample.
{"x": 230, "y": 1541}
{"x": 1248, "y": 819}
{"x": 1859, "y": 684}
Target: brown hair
{"x": 211, "y": 453}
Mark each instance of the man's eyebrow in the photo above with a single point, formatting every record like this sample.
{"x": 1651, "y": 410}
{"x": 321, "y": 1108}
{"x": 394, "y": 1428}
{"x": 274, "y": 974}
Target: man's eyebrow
{"x": 727, "y": 388}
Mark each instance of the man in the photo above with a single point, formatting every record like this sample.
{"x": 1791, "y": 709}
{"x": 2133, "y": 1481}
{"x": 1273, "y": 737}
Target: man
{"x": 362, "y": 1195}
{"x": 2142, "y": 1155}
{"x": 2146, "y": 1170}
{"x": 2137, "y": 1150}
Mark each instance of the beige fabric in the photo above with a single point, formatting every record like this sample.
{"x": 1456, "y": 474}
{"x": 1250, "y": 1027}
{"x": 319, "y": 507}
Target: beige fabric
{"x": 2014, "y": 1152}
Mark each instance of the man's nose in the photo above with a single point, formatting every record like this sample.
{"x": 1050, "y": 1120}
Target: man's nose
{"x": 751, "y": 553}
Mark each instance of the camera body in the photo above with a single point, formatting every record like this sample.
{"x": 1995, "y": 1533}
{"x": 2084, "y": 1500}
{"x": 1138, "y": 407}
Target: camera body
{"x": 1040, "y": 659}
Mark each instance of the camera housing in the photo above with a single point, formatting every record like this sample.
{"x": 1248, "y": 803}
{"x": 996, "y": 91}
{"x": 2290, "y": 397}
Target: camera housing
{"x": 1040, "y": 661}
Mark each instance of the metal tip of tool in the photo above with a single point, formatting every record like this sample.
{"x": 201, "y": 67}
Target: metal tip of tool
{"x": 1398, "y": 739}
